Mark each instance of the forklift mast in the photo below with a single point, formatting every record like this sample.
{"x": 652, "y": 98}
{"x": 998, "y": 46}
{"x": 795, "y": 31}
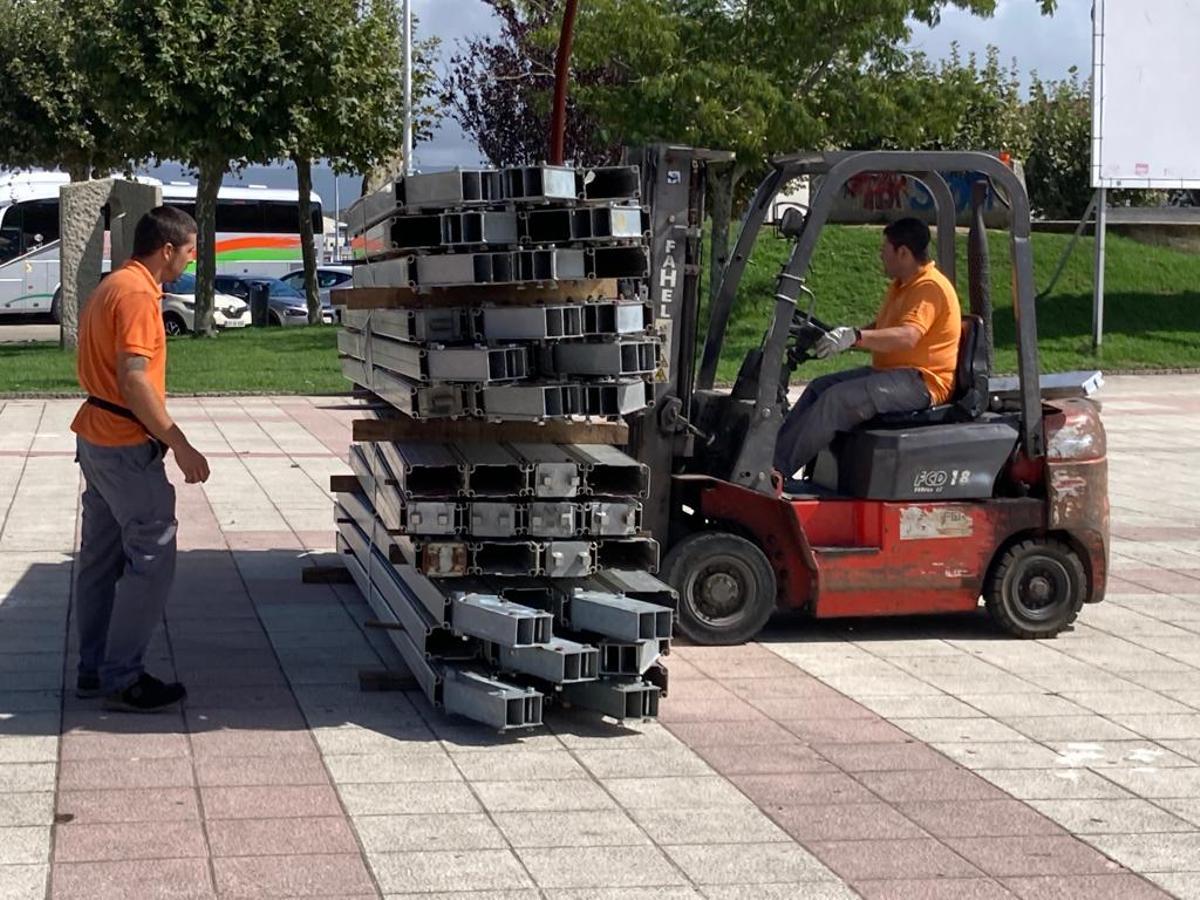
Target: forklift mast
{"x": 674, "y": 184}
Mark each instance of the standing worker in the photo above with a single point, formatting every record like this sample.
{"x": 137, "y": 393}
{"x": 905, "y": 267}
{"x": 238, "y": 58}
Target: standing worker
{"x": 123, "y": 431}
{"x": 914, "y": 351}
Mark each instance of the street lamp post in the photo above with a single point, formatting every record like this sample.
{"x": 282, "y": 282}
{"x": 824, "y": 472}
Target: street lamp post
{"x": 408, "y": 110}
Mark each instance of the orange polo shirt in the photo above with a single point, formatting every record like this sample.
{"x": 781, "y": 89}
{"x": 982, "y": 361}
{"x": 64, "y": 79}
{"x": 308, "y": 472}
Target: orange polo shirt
{"x": 928, "y": 302}
{"x": 122, "y": 315}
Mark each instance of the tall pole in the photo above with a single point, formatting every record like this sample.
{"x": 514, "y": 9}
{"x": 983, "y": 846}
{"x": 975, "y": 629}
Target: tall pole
{"x": 408, "y": 110}
{"x": 1098, "y": 299}
{"x": 562, "y": 73}
{"x": 337, "y": 219}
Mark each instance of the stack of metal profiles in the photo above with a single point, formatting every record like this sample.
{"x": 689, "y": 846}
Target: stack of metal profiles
{"x": 508, "y": 574}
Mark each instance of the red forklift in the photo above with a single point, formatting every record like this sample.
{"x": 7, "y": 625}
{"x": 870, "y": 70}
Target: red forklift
{"x": 1000, "y": 494}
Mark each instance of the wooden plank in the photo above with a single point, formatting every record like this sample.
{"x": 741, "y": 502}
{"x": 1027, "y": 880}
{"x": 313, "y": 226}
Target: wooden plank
{"x": 475, "y": 294}
{"x": 344, "y": 484}
{"x": 475, "y": 431}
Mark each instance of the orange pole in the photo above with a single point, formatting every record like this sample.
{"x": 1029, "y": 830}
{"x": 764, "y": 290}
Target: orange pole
{"x": 562, "y": 74}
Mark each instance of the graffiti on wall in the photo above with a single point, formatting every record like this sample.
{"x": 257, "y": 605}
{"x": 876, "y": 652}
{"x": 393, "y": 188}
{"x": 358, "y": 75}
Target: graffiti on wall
{"x": 880, "y": 196}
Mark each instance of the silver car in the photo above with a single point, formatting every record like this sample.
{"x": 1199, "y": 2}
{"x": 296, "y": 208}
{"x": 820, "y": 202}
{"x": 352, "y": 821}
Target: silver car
{"x": 328, "y": 278}
{"x": 285, "y": 305}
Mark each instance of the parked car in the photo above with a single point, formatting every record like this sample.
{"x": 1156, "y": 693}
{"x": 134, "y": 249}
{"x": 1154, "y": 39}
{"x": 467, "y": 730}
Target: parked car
{"x": 328, "y": 278}
{"x": 179, "y": 307}
{"x": 286, "y": 305}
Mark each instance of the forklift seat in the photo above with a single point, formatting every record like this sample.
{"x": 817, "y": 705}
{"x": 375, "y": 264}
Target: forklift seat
{"x": 970, "y": 397}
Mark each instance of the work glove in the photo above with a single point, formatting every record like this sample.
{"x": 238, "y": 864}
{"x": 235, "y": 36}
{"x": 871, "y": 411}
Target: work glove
{"x": 839, "y": 340}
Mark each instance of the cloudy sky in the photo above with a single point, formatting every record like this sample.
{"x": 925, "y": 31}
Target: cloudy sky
{"x": 1049, "y": 45}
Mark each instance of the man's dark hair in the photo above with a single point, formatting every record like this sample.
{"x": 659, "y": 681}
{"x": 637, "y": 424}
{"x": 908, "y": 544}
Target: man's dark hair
{"x": 161, "y": 226}
{"x": 911, "y": 233}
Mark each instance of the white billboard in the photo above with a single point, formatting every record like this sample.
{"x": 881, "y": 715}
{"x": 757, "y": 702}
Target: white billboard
{"x": 1145, "y": 74}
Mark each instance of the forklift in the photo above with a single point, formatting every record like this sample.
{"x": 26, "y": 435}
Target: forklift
{"x": 999, "y": 494}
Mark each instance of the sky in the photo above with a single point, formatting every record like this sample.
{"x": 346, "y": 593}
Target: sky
{"x": 1051, "y": 45}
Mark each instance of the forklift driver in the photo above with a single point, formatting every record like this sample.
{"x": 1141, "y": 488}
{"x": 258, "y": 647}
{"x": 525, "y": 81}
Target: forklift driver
{"x": 914, "y": 350}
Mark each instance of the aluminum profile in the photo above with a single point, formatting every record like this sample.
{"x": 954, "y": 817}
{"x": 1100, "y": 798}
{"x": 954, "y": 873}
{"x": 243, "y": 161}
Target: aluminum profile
{"x": 610, "y": 472}
{"x": 495, "y": 703}
{"x": 612, "y": 359}
{"x": 459, "y": 187}
{"x": 438, "y": 559}
{"x": 539, "y": 184}
{"x": 506, "y": 558}
{"x": 508, "y": 267}
{"x": 618, "y": 699}
{"x": 415, "y": 232}
{"x": 639, "y": 585}
{"x": 585, "y": 224}
{"x": 610, "y": 183}
{"x": 430, "y": 517}
{"x": 482, "y": 365}
{"x": 365, "y": 465}
{"x": 425, "y": 470}
{"x": 553, "y": 519}
{"x": 352, "y": 344}
{"x": 476, "y": 228}
{"x": 629, "y": 553}
{"x": 619, "y": 262}
{"x": 438, "y": 326}
{"x": 355, "y": 371}
{"x": 436, "y": 401}
{"x": 419, "y": 588}
{"x": 491, "y": 618}
{"x": 548, "y": 401}
{"x": 618, "y": 617}
{"x": 628, "y": 657}
{"x": 554, "y": 473}
{"x": 397, "y": 357}
{"x": 535, "y": 592}
{"x": 493, "y": 471}
{"x": 558, "y": 661}
{"x": 369, "y": 210}
{"x": 539, "y": 323}
{"x": 493, "y": 520}
{"x": 385, "y": 273}
{"x": 624, "y": 317}
{"x": 569, "y": 559}
{"x": 608, "y": 518}
{"x": 356, "y": 509}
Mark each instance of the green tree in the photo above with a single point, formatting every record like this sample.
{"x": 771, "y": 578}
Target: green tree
{"x": 344, "y": 96}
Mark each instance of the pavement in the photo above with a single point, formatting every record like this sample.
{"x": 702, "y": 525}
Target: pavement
{"x": 899, "y": 759}
{"x": 26, "y": 329}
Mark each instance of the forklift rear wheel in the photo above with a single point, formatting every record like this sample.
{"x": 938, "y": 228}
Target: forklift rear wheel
{"x": 1036, "y": 589}
{"x": 726, "y": 587}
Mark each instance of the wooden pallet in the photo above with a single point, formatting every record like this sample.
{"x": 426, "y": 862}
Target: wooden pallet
{"x": 475, "y": 295}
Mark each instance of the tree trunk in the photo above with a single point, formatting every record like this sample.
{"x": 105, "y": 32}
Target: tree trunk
{"x": 724, "y": 184}
{"x": 211, "y": 174}
{"x": 307, "y": 248}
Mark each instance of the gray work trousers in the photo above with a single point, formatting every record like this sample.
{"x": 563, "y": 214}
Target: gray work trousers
{"x": 841, "y": 402}
{"x": 126, "y": 558}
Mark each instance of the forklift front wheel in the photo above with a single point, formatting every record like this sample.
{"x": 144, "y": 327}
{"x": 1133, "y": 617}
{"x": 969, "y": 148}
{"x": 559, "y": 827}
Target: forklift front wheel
{"x": 726, "y": 587}
{"x": 1036, "y": 589}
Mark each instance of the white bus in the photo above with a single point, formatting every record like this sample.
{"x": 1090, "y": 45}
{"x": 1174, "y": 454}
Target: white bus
{"x": 258, "y": 233}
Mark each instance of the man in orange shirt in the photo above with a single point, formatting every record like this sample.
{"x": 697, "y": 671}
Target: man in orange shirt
{"x": 914, "y": 351}
{"x": 123, "y": 431}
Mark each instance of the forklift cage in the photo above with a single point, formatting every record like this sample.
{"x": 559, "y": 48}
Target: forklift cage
{"x": 753, "y": 465}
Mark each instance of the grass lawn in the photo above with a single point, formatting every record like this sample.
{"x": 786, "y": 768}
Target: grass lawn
{"x": 1152, "y": 302}
{"x": 256, "y": 360}
{"x": 1152, "y": 320}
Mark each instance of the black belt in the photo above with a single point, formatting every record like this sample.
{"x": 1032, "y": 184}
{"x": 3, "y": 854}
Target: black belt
{"x": 125, "y": 413}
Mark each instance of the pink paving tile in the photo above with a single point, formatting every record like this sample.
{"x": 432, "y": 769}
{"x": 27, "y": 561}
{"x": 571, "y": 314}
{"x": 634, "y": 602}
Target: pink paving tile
{"x": 773, "y": 791}
{"x": 729, "y": 734}
{"x": 767, "y": 759}
{"x": 979, "y": 818}
{"x": 245, "y": 696}
{"x": 235, "y": 771}
{"x": 131, "y": 840}
{"x": 1039, "y": 855}
{"x": 101, "y": 774}
{"x": 291, "y": 876}
{"x": 98, "y": 722}
{"x": 1163, "y": 579}
{"x": 845, "y": 822}
{"x": 821, "y": 706}
{"x": 939, "y": 784}
{"x": 1085, "y": 887}
{"x": 277, "y": 837}
{"x": 285, "y": 720}
{"x": 123, "y": 746}
{"x": 177, "y": 879}
{"x": 933, "y": 889}
{"x": 711, "y": 711}
{"x": 251, "y": 743}
{"x": 891, "y": 757}
{"x": 872, "y": 860}
{"x": 262, "y": 540}
{"x": 140, "y": 805}
{"x": 751, "y": 666}
{"x": 277, "y": 802}
{"x": 800, "y": 687}
{"x": 845, "y": 731}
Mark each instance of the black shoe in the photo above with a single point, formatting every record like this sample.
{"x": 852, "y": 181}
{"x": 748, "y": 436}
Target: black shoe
{"x": 87, "y": 687}
{"x": 146, "y": 695}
